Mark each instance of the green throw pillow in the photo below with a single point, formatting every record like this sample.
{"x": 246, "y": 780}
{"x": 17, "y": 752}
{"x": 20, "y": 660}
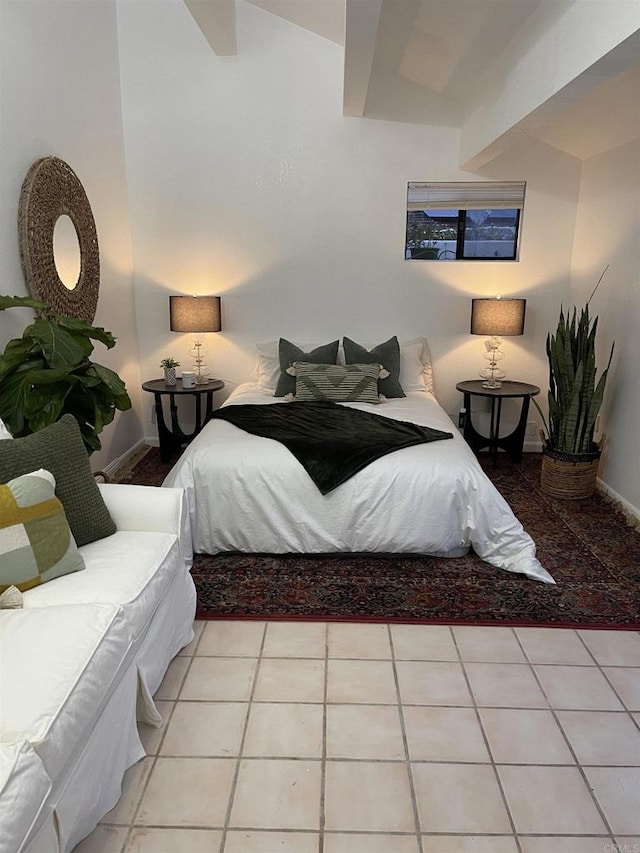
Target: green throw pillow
{"x": 290, "y": 353}
{"x": 386, "y": 354}
{"x": 59, "y": 448}
{"x": 36, "y": 544}
{"x": 350, "y": 383}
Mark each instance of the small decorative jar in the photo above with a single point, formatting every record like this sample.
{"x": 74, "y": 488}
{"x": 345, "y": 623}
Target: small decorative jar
{"x": 169, "y": 376}
{"x": 188, "y": 379}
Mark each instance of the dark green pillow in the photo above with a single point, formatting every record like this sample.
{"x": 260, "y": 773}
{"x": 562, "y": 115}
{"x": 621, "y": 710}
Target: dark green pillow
{"x": 386, "y": 354}
{"x": 59, "y": 448}
{"x": 289, "y": 353}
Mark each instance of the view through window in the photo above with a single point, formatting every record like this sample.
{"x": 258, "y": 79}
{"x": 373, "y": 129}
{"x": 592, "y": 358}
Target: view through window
{"x": 475, "y": 221}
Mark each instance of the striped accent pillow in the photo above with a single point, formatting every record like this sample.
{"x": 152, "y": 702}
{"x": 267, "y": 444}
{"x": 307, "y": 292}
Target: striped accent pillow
{"x": 349, "y": 383}
{"x": 36, "y": 544}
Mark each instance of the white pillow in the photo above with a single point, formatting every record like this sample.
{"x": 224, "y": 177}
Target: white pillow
{"x": 267, "y": 368}
{"x": 416, "y": 373}
{"x": 4, "y": 432}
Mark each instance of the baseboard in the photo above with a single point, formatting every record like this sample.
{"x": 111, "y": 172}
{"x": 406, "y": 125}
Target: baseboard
{"x": 532, "y": 447}
{"x": 152, "y": 440}
{"x": 632, "y": 512}
{"x": 117, "y": 463}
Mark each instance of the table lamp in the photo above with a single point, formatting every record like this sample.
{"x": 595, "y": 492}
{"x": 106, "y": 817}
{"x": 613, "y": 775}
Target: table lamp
{"x": 496, "y": 317}
{"x": 196, "y": 314}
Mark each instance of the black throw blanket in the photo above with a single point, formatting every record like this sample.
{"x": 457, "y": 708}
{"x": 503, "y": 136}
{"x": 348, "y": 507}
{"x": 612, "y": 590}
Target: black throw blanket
{"x": 330, "y": 441}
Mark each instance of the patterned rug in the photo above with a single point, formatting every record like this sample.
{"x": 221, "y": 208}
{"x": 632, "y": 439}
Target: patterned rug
{"x": 587, "y": 545}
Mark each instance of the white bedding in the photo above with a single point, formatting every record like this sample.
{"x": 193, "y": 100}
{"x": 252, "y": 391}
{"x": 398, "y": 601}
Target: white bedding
{"x": 247, "y": 493}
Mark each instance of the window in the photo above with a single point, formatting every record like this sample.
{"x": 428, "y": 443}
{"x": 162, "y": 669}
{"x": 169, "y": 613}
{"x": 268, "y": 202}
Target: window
{"x": 474, "y": 221}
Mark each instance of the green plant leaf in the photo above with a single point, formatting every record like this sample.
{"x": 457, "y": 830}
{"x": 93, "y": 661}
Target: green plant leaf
{"x": 115, "y": 385}
{"x": 60, "y": 349}
{"x": 21, "y": 302}
{"x": 97, "y": 333}
{"x": 14, "y": 393}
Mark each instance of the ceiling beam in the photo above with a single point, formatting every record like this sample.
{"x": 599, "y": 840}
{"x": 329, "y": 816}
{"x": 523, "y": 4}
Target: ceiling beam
{"x": 361, "y": 29}
{"x": 553, "y": 63}
{"x": 217, "y": 20}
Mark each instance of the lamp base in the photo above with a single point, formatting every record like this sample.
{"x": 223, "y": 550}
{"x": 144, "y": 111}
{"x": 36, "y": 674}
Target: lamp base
{"x": 492, "y": 383}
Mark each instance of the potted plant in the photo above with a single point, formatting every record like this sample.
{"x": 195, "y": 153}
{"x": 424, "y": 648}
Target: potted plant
{"x": 47, "y": 373}
{"x": 169, "y": 365}
{"x": 570, "y": 455}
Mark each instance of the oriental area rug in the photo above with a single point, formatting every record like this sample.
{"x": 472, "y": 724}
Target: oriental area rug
{"x": 587, "y": 545}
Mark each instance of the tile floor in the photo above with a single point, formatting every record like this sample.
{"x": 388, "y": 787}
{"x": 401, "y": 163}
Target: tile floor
{"x": 375, "y": 738}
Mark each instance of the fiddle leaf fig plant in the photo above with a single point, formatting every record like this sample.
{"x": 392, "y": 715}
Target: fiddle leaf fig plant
{"x": 48, "y": 373}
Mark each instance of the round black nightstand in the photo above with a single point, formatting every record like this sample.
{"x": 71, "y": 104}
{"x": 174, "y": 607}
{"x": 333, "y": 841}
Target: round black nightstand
{"x": 513, "y": 442}
{"x": 172, "y": 439}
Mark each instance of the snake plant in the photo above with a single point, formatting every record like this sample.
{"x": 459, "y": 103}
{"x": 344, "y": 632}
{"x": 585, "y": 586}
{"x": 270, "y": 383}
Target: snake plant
{"x": 47, "y": 373}
{"x": 574, "y": 397}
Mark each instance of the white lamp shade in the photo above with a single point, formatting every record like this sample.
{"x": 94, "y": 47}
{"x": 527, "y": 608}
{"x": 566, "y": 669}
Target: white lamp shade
{"x": 195, "y": 314}
{"x": 500, "y": 317}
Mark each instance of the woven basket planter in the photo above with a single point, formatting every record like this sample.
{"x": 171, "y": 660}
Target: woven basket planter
{"x": 569, "y": 476}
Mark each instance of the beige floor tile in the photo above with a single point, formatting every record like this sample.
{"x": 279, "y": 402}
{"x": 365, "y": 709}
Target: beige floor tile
{"x": 496, "y": 685}
{"x": 363, "y": 796}
{"x": 281, "y": 730}
{"x": 368, "y": 681}
{"x": 358, "y": 641}
{"x": 460, "y": 798}
{"x": 613, "y": 648}
{"x": 241, "y": 841}
{"x": 470, "y": 844}
{"x": 187, "y": 792}
{"x": 173, "y": 679}
{"x": 277, "y": 794}
{"x": 524, "y": 737}
{"x": 364, "y": 731}
{"x": 336, "y": 842}
{"x": 290, "y": 680}
{"x": 295, "y": 640}
{"x": 423, "y": 642}
{"x": 598, "y": 737}
{"x": 224, "y": 679}
{"x": 577, "y": 687}
{"x": 551, "y": 800}
{"x": 566, "y": 844}
{"x": 444, "y": 734}
{"x": 553, "y": 645}
{"x": 103, "y": 839}
{"x": 198, "y": 627}
{"x": 432, "y": 683}
{"x": 205, "y": 729}
{"x": 148, "y": 840}
{"x": 151, "y": 737}
{"x": 617, "y": 790}
{"x": 228, "y": 638}
{"x": 488, "y": 645}
{"x": 132, "y": 789}
{"x": 626, "y": 682}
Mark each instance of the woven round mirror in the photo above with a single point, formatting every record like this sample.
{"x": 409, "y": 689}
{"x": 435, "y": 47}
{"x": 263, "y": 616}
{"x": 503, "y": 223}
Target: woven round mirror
{"x": 51, "y": 196}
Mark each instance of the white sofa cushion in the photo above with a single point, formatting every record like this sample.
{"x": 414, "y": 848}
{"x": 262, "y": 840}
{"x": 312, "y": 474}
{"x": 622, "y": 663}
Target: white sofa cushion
{"x": 59, "y": 667}
{"x": 24, "y": 788}
{"x": 129, "y": 569}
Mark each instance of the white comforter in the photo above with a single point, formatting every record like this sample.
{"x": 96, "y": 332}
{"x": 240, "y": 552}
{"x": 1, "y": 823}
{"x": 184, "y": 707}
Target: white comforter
{"x": 247, "y": 493}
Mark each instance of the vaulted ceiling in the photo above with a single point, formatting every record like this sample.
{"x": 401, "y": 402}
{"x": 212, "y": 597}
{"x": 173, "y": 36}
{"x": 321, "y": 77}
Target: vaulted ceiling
{"x": 566, "y": 72}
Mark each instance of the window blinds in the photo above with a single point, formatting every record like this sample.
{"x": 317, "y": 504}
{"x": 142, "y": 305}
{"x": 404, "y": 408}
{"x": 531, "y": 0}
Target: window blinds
{"x": 466, "y": 195}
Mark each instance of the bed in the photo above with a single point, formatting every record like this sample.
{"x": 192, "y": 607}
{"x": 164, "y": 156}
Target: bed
{"x": 249, "y": 494}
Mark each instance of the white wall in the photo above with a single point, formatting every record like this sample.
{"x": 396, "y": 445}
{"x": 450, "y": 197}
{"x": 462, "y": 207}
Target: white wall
{"x": 246, "y": 181}
{"x": 60, "y": 95}
{"x": 607, "y": 230}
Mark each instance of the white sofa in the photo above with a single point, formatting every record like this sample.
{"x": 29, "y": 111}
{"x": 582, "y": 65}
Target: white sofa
{"x": 79, "y": 665}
